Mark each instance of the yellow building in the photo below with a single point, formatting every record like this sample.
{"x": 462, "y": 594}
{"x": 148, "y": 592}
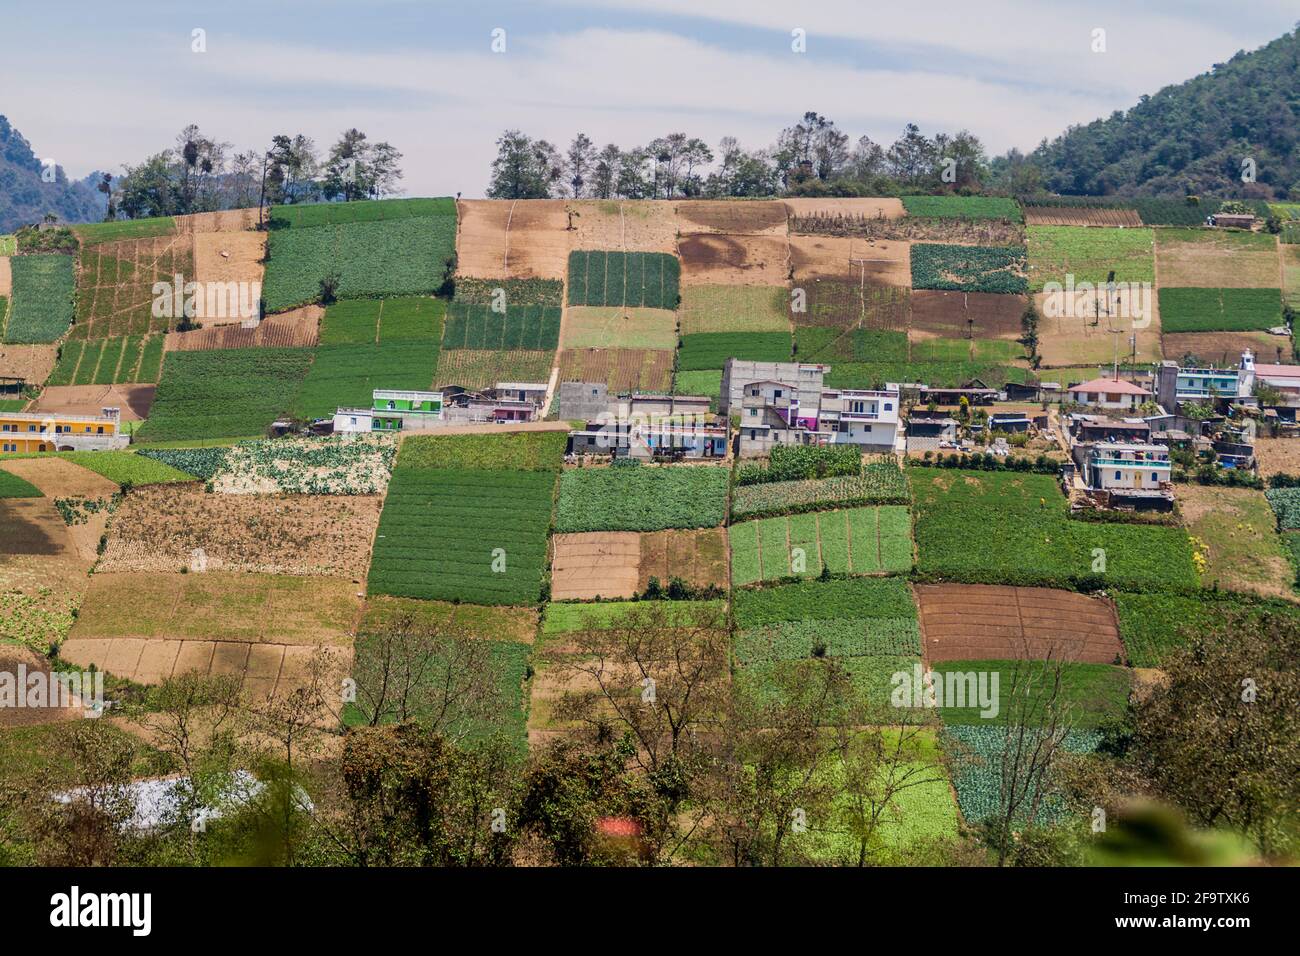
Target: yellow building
{"x": 48, "y": 431}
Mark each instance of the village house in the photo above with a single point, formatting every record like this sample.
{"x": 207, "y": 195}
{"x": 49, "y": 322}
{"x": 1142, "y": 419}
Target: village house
{"x": 45, "y": 431}
{"x": 1175, "y": 383}
{"x": 392, "y": 411}
{"x": 930, "y": 432}
{"x": 1126, "y": 474}
{"x": 1097, "y": 428}
{"x": 653, "y": 425}
{"x": 1111, "y": 393}
{"x": 804, "y": 380}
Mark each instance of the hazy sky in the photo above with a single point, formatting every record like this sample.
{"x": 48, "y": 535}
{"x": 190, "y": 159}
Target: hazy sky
{"x": 96, "y": 85}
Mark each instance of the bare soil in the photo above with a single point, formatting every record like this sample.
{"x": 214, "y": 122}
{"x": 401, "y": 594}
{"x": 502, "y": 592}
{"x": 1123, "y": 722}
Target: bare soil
{"x": 33, "y": 363}
{"x": 229, "y": 256}
{"x": 732, "y": 218}
{"x": 697, "y": 557}
{"x": 597, "y": 564}
{"x": 1225, "y": 348}
{"x": 947, "y": 313}
{"x": 297, "y": 329}
{"x": 133, "y": 400}
{"x": 879, "y": 262}
{"x": 627, "y": 225}
{"x": 733, "y": 259}
{"x": 647, "y": 370}
{"x": 1070, "y": 216}
{"x": 984, "y": 622}
{"x": 871, "y": 208}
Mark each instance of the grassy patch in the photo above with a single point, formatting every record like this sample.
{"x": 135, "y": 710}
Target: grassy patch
{"x": 11, "y": 486}
{"x": 1089, "y": 254}
{"x": 734, "y": 308}
{"x": 848, "y": 599}
{"x": 41, "y": 310}
{"x": 1219, "y": 310}
{"x": 347, "y": 375}
{"x": 367, "y": 210}
{"x": 568, "y": 618}
{"x": 1095, "y": 694}
{"x": 224, "y": 392}
{"x": 1154, "y": 626}
{"x": 968, "y": 268}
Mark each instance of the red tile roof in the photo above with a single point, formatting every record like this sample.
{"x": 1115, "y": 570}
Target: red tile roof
{"x": 1278, "y": 371}
{"x": 1110, "y": 386}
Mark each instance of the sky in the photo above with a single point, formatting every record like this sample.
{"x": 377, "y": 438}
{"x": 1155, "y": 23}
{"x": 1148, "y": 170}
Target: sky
{"x": 95, "y": 85}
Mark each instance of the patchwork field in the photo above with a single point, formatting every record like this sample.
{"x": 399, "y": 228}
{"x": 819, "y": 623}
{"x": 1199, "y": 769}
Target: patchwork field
{"x": 522, "y": 239}
{"x": 164, "y": 528}
{"x": 959, "y": 515}
{"x": 979, "y": 622}
{"x": 1236, "y": 530}
{"x": 766, "y": 218}
{"x": 634, "y": 279}
{"x": 483, "y": 368}
{"x": 298, "y": 328}
{"x": 587, "y": 327}
{"x": 231, "y": 393}
{"x": 41, "y": 306}
{"x": 641, "y": 498}
{"x": 1203, "y": 258}
{"x": 129, "y": 360}
{"x": 147, "y": 627}
{"x": 393, "y": 257}
{"x": 865, "y": 261}
{"x": 1089, "y": 255}
{"x": 519, "y": 327}
{"x": 853, "y": 541}
{"x": 115, "y": 287}
{"x": 1231, "y": 309}
{"x": 627, "y": 225}
{"x": 623, "y": 370}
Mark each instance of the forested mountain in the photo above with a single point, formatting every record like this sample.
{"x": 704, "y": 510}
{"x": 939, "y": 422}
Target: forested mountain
{"x": 25, "y": 198}
{"x": 1192, "y": 138}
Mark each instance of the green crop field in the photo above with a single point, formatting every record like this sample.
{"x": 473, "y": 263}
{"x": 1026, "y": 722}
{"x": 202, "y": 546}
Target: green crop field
{"x": 734, "y": 308}
{"x": 347, "y": 375}
{"x": 648, "y": 279}
{"x": 847, "y": 599}
{"x": 962, "y": 207}
{"x": 397, "y": 319}
{"x": 42, "y": 308}
{"x": 367, "y": 210}
{"x": 567, "y": 618}
{"x": 510, "y": 292}
{"x": 529, "y": 327}
{"x": 852, "y": 541}
{"x": 880, "y": 483}
{"x": 514, "y": 451}
{"x": 225, "y": 393}
{"x": 961, "y": 514}
{"x": 483, "y": 368}
{"x": 968, "y": 268}
{"x": 123, "y": 467}
{"x": 699, "y": 382}
{"x": 1180, "y": 212}
{"x": 11, "y": 486}
{"x": 8, "y": 245}
{"x": 866, "y": 636}
{"x": 95, "y": 233}
{"x": 1155, "y": 626}
{"x": 392, "y": 257}
{"x": 460, "y": 534}
{"x": 1094, "y": 694}
{"x": 644, "y": 498}
{"x": 829, "y": 345}
{"x": 1089, "y": 254}
{"x": 709, "y": 350}
{"x": 115, "y": 286}
{"x": 1219, "y": 310}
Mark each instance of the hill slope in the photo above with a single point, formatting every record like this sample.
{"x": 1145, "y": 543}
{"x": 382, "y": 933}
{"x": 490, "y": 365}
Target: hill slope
{"x": 25, "y": 199}
{"x": 1192, "y": 137}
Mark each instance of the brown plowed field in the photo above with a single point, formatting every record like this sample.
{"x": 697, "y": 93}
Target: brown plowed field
{"x": 229, "y": 256}
{"x": 32, "y": 363}
{"x": 133, "y": 400}
{"x": 697, "y": 557}
{"x": 297, "y": 329}
{"x": 995, "y": 316}
{"x": 629, "y": 225}
{"x": 882, "y": 208}
{"x": 230, "y": 220}
{"x": 1225, "y": 348}
{"x": 623, "y": 370}
{"x": 1071, "y": 216}
{"x": 709, "y": 258}
{"x": 760, "y": 218}
{"x": 11, "y": 660}
{"x": 159, "y": 528}
{"x": 881, "y": 261}
{"x": 596, "y": 564}
{"x": 962, "y": 622}
{"x": 527, "y": 238}
{"x": 60, "y": 478}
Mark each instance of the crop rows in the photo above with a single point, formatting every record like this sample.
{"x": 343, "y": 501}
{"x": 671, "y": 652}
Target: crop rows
{"x": 463, "y": 535}
{"x": 644, "y": 498}
{"x": 511, "y": 292}
{"x": 224, "y": 393}
{"x": 962, "y": 207}
{"x": 398, "y": 319}
{"x": 408, "y": 256}
{"x": 383, "y": 210}
{"x": 852, "y": 541}
{"x": 470, "y": 326}
{"x": 41, "y": 309}
{"x": 136, "y": 358}
{"x": 648, "y": 279}
{"x": 708, "y": 350}
{"x": 880, "y": 483}
{"x": 347, "y": 375}
{"x": 1219, "y": 310}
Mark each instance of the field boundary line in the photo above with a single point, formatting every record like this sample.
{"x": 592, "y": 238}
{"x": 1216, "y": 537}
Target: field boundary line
{"x": 505, "y": 252}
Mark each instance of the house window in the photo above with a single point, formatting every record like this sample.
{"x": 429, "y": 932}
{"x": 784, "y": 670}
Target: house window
{"x": 889, "y": 406}
{"x": 1117, "y": 476}
{"x": 753, "y": 435}
{"x": 100, "y": 431}
{"x": 353, "y": 420}
{"x": 776, "y": 393}
{"x": 391, "y": 406}
{"x": 31, "y": 428}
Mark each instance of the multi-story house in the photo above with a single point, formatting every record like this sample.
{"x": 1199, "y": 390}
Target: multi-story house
{"x": 392, "y": 411}
{"x": 1127, "y": 473}
{"x": 45, "y": 431}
